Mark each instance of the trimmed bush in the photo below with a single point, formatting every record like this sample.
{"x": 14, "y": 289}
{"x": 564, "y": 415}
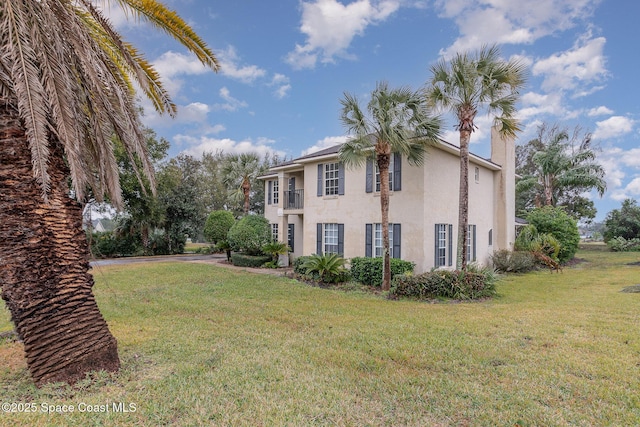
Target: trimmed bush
{"x": 555, "y": 221}
{"x": 474, "y": 283}
{"x": 245, "y": 260}
{"x": 368, "y": 271}
{"x": 218, "y": 225}
{"x": 250, "y": 234}
{"x": 506, "y": 261}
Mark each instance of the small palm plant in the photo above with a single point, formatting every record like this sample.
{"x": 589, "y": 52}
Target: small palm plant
{"x": 274, "y": 249}
{"x": 328, "y": 267}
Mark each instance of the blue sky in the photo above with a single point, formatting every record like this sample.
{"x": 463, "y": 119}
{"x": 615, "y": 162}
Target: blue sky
{"x": 285, "y": 65}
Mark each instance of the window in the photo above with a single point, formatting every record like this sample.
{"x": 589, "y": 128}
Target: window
{"x": 275, "y": 193}
{"x": 330, "y": 238}
{"x": 477, "y": 174}
{"x": 274, "y": 232}
{"x": 491, "y": 237}
{"x": 372, "y": 181}
{"x": 391, "y": 166}
{"x": 330, "y": 179}
{"x": 373, "y": 240}
{"x": 443, "y": 245}
{"x": 471, "y": 243}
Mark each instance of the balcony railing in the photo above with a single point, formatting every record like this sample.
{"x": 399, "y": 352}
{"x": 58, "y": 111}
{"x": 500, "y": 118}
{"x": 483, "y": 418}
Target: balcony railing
{"x": 294, "y": 199}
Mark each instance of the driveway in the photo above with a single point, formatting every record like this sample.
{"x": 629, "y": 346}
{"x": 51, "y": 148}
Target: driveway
{"x": 162, "y": 258}
{"x": 220, "y": 260}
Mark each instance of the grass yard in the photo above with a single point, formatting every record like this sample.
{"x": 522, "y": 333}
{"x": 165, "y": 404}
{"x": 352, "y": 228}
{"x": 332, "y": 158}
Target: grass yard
{"x": 202, "y": 345}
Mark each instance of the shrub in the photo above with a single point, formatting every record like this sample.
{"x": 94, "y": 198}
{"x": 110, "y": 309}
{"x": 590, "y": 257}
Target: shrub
{"x": 328, "y": 268}
{"x": 555, "y": 221}
{"x": 620, "y": 244}
{"x": 274, "y": 249}
{"x": 250, "y": 234}
{"x": 298, "y": 265}
{"x": 218, "y": 225}
{"x": 474, "y": 283}
{"x": 507, "y": 261}
{"x": 109, "y": 244}
{"x": 368, "y": 271}
{"x": 245, "y": 260}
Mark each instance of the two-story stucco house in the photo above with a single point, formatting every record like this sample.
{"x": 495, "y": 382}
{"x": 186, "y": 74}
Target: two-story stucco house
{"x": 317, "y": 205}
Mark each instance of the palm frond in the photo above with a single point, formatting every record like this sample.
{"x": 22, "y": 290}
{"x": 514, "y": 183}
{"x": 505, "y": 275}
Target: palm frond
{"x": 170, "y": 22}
{"x": 30, "y": 93}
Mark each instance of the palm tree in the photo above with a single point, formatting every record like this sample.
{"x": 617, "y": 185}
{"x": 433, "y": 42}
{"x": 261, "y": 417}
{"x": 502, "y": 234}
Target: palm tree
{"x": 239, "y": 171}
{"x": 558, "y": 168}
{"x": 462, "y": 86}
{"x": 397, "y": 122}
{"x": 66, "y": 86}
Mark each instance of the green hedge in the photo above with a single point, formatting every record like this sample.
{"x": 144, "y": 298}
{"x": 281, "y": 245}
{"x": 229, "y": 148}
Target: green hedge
{"x": 244, "y": 260}
{"x": 368, "y": 271}
{"x": 446, "y": 284}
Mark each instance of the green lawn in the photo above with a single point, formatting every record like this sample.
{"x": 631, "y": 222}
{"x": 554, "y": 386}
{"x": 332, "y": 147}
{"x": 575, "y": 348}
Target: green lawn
{"x": 201, "y": 345}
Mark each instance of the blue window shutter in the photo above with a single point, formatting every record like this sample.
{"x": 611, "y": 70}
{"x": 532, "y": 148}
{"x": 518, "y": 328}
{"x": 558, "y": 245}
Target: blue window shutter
{"x": 369, "y": 177}
{"x": 435, "y": 250}
{"x": 368, "y": 240}
{"x": 450, "y": 245}
{"x": 291, "y": 236}
{"x": 341, "y": 239}
{"x": 474, "y": 243}
{"x": 341, "y": 179}
{"x": 319, "y": 238}
{"x": 396, "y": 241}
{"x": 397, "y": 172}
{"x": 320, "y": 178}
{"x": 269, "y": 192}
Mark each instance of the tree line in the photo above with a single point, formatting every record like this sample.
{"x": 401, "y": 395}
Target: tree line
{"x": 187, "y": 190}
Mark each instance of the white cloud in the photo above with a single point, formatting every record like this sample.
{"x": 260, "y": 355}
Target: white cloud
{"x": 503, "y": 21}
{"x": 229, "y": 67}
{"x": 282, "y": 85}
{"x": 330, "y": 27}
{"x": 600, "y": 111}
{"x": 613, "y": 127}
{"x": 231, "y": 104}
{"x": 203, "y": 144}
{"x": 327, "y": 142}
{"x": 582, "y": 65}
{"x": 537, "y": 104}
{"x": 171, "y": 64}
{"x": 633, "y": 187}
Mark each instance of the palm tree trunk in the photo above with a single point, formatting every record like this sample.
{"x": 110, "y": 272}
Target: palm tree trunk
{"x": 463, "y": 204}
{"x": 383, "y": 167}
{"x": 246, "y": 191}
{"x": 44, "y": 264}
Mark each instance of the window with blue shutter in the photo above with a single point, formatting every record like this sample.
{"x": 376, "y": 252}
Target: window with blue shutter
{"x": 443, "y": 247}
{"x": 331, "y": 179}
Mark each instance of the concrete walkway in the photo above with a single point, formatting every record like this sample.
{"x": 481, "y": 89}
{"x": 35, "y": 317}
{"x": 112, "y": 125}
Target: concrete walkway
{"x": 219, "y": 260}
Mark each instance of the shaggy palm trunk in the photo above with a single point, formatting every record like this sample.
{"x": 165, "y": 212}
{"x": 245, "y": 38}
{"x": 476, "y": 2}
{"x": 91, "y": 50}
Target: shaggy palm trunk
{"x": 246, "y": 192}
{"x": 44, "y": 264}
{"x": 383, "y": 167}
{"x": 463, "y": 203}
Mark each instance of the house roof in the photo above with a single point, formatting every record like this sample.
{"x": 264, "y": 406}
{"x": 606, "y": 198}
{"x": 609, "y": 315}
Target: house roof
{"x": 332, "y": 152}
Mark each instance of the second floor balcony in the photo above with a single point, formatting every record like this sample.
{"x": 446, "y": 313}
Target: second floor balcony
{"x": 294, "y": 199}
